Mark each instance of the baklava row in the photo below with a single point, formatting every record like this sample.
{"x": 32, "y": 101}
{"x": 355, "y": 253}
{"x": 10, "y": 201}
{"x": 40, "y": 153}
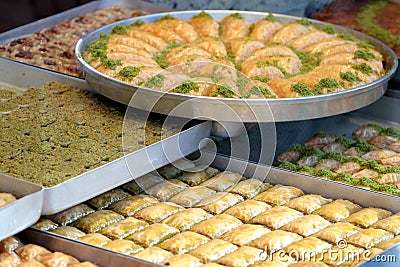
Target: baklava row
{"x": 370, "y": 160}
{"x": 203, "y": 216}
{"x": 13, "y": 253}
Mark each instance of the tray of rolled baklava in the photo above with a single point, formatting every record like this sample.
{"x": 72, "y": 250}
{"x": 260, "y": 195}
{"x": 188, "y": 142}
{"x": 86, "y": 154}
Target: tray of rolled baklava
{"x": 235, "y": 216}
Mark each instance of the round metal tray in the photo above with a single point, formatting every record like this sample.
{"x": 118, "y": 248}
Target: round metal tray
{"x": 236, "y": 110}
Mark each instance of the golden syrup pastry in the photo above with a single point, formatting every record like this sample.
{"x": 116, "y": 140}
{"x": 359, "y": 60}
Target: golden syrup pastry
{"x": 190, "y": 196}
{"x": 306, "y": 225}
{"x": 243, "y": 257}
{"x": 96, "y": 221}
{"x": 153, "y": 254}
{"x": 219, "y": 202}
{"x": 279, "y": 194}
{"x": 123, "y": 228}
{"x": 306, "y": 247}
{"x": 391, "y": 224}
{"x": 248, "y": 209}
{"x": 153, "y": 234}
{"x": 366, "y": 217}
{"x": 308, "y": 203}
{"x": 276, "y": 217}
{"x": 276, "y": 240}
{"x": 216, "y": 226}
{"x": 94, "y": 239}
{"x": 213, "y": 250}
{"x": 336, "y": 232}
{"x": 123, "y": 246}
{"x": 249, "y": 188}
{"x": 185, "y": 219}
{"x": 183, "y": 242}
{"x": 68, "y": 231}
{"x": 130, "y": 205}
{"x": 367, "y": 238}
{"x": 244, "y": 234}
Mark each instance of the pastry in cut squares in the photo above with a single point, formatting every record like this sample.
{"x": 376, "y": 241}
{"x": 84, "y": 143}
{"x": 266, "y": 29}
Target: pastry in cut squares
{"x": 190, "y": 196}
{"x": 176, "y": 168}
{"x": 45, "y": 224}
{"x": 308, "y": 203}
{"x": 244, "y": 234}
{"x": 306, "y": 225}
{"x": 72, "y": 214}
{"x": 185, "y": 219}
{"x": 337, "y": 232}
{"x": 216, "y": 226}
{"x": 183, "y": 242}
{"x": 248, "y": 209}
{"x": 153, "y": 254}
{"x": 94, "y": 239}
{"x": 243, "y": 257}
{"x": 56, "y": 259}
{"x": 213, "y": 250}
{"x": 388, "y": 243}
{"x": 123, "y": 228}
{"x": 277, "y": 217}
{"x": 279, "y": 194}
{"x": 307, "y": 248}
{"x": 391, "y": 224}
{"x": 107, "y": 198}
{"x": 68, "y": 231}
{"x": 339, "y": 254}
{"x": 123, "y": 246}
{"x": 183, "y": 260}
{"x": 368, "y": 216}
{"x": 337, "y": 210}
{"x": 219, "y": 202}
{"x": 275, "y": 240}
{"x": 249, "y": 188}
{"x": 165, "y": 190}
{"x": 222, "y": 181}
{"x": 368, "y": 238}
{"x": 366, "y": 255}
{"x": 31, "y": 252}
{"x": 158, "y": 212}
{"x": 98, "y": 220}
{"x": 130, "y": 205}
{"x": 153, "y": 234}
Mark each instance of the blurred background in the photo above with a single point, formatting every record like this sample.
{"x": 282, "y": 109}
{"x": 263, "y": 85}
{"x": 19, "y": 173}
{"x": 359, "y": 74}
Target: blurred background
{"x": 14, "y": 13}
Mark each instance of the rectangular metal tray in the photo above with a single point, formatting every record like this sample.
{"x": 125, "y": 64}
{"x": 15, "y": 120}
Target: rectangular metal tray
{"x": 51, "y": 21}
{"x": 265, "y": 173}
{"x": 87, "y": 185}
{"x": 23, "y": 212}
